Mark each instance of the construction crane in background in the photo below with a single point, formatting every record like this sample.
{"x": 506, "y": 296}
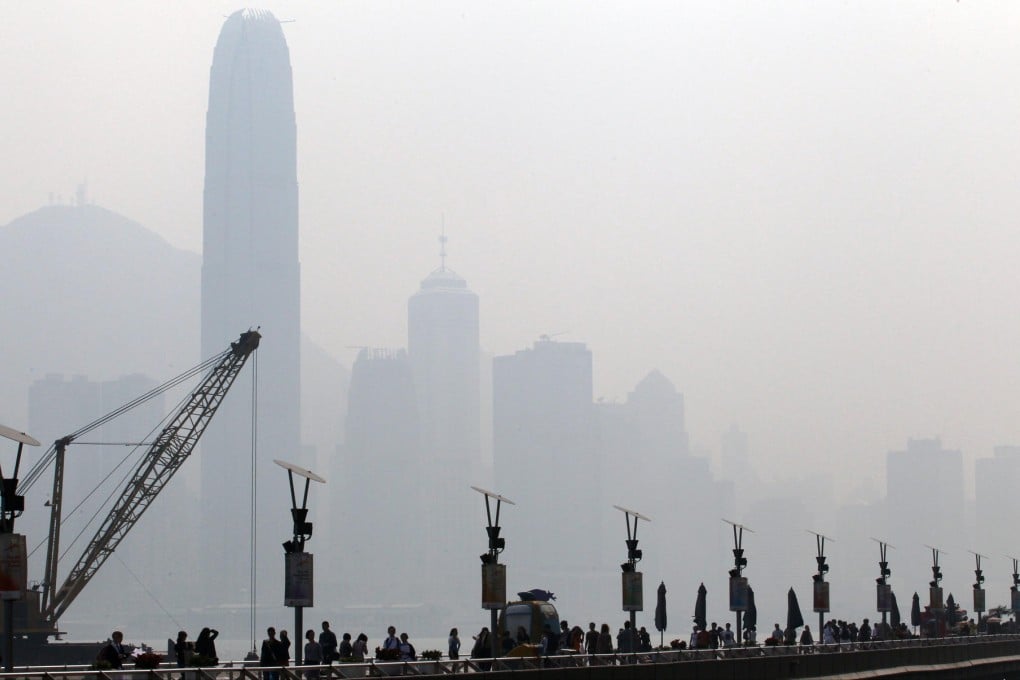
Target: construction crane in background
{"x": 161, "y": 461}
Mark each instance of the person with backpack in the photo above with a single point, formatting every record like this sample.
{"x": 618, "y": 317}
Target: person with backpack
{"x": 407, "y": 651}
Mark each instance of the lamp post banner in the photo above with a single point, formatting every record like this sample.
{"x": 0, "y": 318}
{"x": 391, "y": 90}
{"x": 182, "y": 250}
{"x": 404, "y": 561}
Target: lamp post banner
{"x": 633, "y": 592}
{"x": 13, "y": 568}
{"x": 738, "y": 594}
{"x": 299, "y": 591}
{"x": 884, "y": 598}
{"x": 821, "y": 597}
{"x": 493, "y": 586}
{"x": 979, "y": 599}
{"x": 935, "y": 599}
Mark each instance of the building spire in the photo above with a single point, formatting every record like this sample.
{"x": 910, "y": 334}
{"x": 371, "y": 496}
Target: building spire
{"x": 442, "y": 246}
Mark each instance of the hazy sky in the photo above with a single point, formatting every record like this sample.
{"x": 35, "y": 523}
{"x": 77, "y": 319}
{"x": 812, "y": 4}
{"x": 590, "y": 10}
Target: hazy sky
{"x": 803, "y": 213}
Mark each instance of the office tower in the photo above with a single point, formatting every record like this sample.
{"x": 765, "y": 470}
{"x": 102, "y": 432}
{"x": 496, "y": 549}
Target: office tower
{"x": 379, "y": 532}
{"x": 250, "y": 277}
{"x": 996, "y": 481}
{"x": 546, "y": 460}
{"x": 924, "y": 495}
{"x": 442, "y": 336}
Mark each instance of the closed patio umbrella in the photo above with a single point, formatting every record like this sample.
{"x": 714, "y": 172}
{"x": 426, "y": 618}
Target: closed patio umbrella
{"x": 894, "y": 615}
{"x": 794, "y": 619}
{"x": 915, "y": 612}
{"x": 660, "y": 611}
{"x": 700, "y": 607}
{"x": 751, "y": 615}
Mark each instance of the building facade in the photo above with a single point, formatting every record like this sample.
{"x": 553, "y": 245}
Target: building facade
{"x": 250, "y": 278}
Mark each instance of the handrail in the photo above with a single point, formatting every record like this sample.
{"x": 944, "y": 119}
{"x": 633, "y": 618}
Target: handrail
{"x": 249, "y": 670}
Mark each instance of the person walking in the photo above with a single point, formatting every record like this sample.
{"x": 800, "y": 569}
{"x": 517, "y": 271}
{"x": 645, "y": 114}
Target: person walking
{"x": 268, "y": 655}
{"x": 283, "y": 647}
{"x": 182, "y": 651}
{"x": 327, "y": 642}
{"x": 591, "y": 640}
{"x": 313, "y": 655}
{"x": 453, "y": 645}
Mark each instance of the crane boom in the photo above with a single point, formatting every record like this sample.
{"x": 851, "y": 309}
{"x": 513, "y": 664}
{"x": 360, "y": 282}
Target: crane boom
{"x": 164, "y": 457}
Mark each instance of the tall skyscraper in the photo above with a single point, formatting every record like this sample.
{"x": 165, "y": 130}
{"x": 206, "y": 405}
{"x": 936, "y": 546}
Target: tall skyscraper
{"x": 546, "y": 460}
{"x": 443, "y": 346}
{"x": 924, "y": 494}
{"x": 381, "y": 489}
{"x": 250, "y": 277}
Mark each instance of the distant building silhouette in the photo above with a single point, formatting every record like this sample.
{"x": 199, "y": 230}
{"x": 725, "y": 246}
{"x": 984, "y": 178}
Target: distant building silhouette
{"x": 442, "y": 342}
{"x": 546, "y": 458}
{"x": 385, "y": 502}
{"x": 996, "y": 481}
{"x": 250, "y": 277}
{"x": 924, "y": 494}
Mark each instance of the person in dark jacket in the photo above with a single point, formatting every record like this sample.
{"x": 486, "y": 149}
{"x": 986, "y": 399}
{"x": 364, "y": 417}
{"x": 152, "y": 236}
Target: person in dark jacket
{"x": 268, "y": 657}
{"x": 113, "y": 653}
{"x": 205, "y": 644}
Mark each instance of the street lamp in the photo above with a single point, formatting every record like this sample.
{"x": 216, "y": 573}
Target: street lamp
{"x": 935, "y": 602}
{"x": 1014, "y": 590}
{"x": 493, "y": 573}
{"x": 821, "y": 586}
{"x": 883, "y": 591}
{"x": 979, "y": 590}
{"x": 298, "y": 579}
{"x": 738, "y": 583}
{"x": 14, "y": 569}
{"x": 632, "y": 588}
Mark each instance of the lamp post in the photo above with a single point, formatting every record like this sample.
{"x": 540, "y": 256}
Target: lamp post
{"x": 14, "y": 572}
{"x": 883, "y": 591}
{"x": 1014, "y": 590}
{"x": 821, "y": 586}
{"x": 935, "y": 602}
{"x": 632, "y": 587}
{"x": 299, "y": 575}
{"x": 979, "y": 590}
{"x": 738, "y": 583}
{"x": 493, "y": 573}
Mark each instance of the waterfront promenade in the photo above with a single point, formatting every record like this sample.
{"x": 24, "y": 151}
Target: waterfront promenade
{"x": 966, "y": 658}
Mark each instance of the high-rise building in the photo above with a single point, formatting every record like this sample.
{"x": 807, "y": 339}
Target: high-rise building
{"x": 924, "y": 494}
{"x": 381, "y": 488}
{"x": 546, "y": 460}
{"x": 250, "y": 277}
{"x": 996, "y": 480}
{"x": 443, "y": 346}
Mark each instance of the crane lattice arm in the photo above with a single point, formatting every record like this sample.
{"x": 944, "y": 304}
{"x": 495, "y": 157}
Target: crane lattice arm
{"x": 165, "y": 456}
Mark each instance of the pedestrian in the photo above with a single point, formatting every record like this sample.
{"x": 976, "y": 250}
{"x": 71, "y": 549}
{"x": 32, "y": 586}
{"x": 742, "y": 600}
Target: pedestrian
{"x": 113, "y": 653}
{"x": 591, "y": 639}
{"x": 205, "y": 645}
{"x": 313, "y": 655}
{"x": 482, "y": 647}
{"x": 182, "y": 651}
{"x": 727, "y": 637}
{"x": 407, "y": 652}
{"x": 346, "y": 650}
{"x": 777, "y": 635}
{"x": 806, "y": 640}
{"x": 645, "y": 640}
{"x": 522, "y": 636}
{"x": 327, "y": 642}
{"x": 359, "y": 650}
{"x": 391, "y": 643}
{"x": 283, "y": 649}
{"x": 453, "y": 645}
{"x": 268, "y": 656}
{"x": 693, "y": 643}
{"x": 605, "y": 645}
{"x": 713, "y": 636}
{"x": 548, "y": 641}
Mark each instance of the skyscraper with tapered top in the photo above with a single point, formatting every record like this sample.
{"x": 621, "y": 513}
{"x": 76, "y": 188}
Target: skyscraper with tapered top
{"x": 443, "y": 346}
{"x": 250, "y": 277}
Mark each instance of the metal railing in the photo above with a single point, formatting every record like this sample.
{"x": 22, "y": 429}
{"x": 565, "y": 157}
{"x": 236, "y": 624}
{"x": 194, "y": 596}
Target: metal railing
{"x": 250, "y": 670}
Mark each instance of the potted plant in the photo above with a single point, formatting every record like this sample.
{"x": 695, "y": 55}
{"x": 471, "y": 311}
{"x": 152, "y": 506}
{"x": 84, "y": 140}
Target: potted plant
{"x": 148, "y": 660}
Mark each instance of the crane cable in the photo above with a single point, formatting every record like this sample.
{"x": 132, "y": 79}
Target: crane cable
{"x": 254, "y": 493}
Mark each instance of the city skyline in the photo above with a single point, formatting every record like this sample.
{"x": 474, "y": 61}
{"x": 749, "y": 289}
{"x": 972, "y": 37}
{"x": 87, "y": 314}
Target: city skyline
{"x": 803, "y": 216}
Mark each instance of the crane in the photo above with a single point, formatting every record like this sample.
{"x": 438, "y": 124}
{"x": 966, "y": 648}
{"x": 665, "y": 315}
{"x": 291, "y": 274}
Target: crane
{"x": 164, "y": 457}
